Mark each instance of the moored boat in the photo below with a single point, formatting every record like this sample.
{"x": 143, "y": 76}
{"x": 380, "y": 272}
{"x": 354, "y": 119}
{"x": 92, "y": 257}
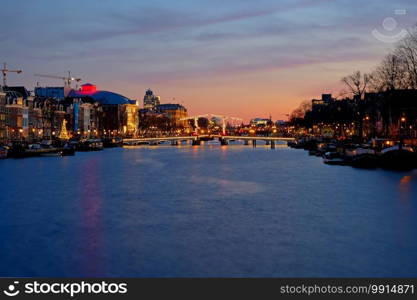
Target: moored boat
{"x": 90, "y": 145}
{"x": 112, "y": 142}
{"x": 362, "y": 157}
{"x": 68, "y": 150}
{"x": 399, "y": 157}
{"x": 334, "y": 158}
{"x": 34, "y": 150}
{"x": 365, "y": 161}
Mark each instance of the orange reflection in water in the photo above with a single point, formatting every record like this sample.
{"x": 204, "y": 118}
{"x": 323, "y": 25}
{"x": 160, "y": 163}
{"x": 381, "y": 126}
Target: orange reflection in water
{"x": 405, "y": 188}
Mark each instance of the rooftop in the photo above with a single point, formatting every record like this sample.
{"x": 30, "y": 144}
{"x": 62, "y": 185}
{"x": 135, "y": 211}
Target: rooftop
{"x": 89, "y": 90}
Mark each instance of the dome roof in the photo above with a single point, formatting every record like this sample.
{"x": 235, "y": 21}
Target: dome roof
{"x": 103, "y": 97}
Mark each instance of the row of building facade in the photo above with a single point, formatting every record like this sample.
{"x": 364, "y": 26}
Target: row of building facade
{"x": 385, "y": 114}
{"x": 86, "y": 112}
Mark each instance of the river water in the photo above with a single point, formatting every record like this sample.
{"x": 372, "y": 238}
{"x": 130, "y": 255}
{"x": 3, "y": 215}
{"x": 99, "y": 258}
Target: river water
{"x": 202, "y": 211}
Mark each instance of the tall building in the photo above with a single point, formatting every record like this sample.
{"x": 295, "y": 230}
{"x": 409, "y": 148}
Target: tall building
{"x": 150, "y": 101}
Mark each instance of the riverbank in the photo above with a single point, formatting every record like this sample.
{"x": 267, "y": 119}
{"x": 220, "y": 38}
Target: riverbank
{"x": 378, "y": 153}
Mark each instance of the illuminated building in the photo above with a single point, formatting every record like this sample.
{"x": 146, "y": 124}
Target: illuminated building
{"x": 3, "y": 113}
{"x": 130, "y": 119}
{"x": 174, "y": 112}
{"x": 260, "y": 122}
{"x": 150, "y": 101}
{"x": 103, "y": 111}
{"x": 17, "y": 112}
{"x": 84, "y": 118}
{"x": 325, "y": 100}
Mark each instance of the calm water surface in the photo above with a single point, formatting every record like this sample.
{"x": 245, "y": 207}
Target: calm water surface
{"x": 204, "y": 211}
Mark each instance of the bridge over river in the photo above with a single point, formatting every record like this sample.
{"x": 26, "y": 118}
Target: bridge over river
{"x": 196, "y": 140}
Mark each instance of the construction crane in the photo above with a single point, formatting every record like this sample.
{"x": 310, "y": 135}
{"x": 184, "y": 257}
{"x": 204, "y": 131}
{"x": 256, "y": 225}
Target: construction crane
{"x": 67, "y": 80}
{"x": 5, "y": 71}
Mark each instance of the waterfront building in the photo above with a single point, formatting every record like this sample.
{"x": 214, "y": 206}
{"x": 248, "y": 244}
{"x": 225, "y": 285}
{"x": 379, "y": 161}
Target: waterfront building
{"x": 84, "y": 120}
{"x": 103, "y": 112}
{"x": 130, "y": 119}
{"x": 35, "y": 120}
{"x": 86, "y": 112}
{"x": 17, "y": 116}
{"x": 150, "y": 101}
{"x": 175, "y": 113}
{"x": 3, "y": 114}
{"x": 259, "y": 122}
{"x": 43, "y": 114}
{"x": 388, "y": 114}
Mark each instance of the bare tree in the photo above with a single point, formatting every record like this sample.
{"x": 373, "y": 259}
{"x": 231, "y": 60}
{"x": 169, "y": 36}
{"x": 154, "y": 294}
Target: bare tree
{"x": 301, "y": 110}
{"x": 407, "y": 52}
{"x": 357, "y": 83}
{"x": 390, "y": 75}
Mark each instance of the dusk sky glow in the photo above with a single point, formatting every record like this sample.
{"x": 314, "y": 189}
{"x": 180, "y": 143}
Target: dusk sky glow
{"x": 240, "y": 58}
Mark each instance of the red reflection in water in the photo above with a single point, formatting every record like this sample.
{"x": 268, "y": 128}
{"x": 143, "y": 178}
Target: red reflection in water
{"x": 91, "y": 203}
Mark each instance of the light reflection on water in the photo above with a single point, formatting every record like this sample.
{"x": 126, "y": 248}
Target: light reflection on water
{"x": 91, "y": 220}
{"x": 204, "y": 211}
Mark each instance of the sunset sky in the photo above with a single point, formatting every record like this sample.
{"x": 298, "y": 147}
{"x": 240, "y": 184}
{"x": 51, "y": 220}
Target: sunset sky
{"x": 235, "y": 57}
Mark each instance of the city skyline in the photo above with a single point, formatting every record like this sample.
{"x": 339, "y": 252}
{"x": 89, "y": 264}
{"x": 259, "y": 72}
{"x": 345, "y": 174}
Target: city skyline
{"x": 237, "y": 58}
